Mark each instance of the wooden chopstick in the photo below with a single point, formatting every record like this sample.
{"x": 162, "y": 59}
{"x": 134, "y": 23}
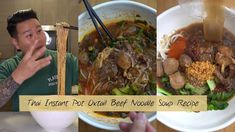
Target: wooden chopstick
{"x": 70, "y": 27}
{"x": 94, "y": 18}
{"x": 100, "y": 22}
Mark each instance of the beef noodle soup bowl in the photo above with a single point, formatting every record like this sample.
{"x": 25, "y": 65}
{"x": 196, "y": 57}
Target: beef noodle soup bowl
{"x": 187, "y": 64}
{"x": 121, "y": 67}
{"x": 191, "y": 65}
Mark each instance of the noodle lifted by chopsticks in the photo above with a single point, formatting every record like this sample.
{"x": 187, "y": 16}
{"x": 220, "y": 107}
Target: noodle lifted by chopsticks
{"x": 62, "y": 34}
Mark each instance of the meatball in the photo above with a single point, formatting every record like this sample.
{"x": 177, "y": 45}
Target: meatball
{"x": 177, "y": 80}
{"x": 185, "y": 61}
{"x": 170, "y": 66}
{"x": 160, "y": 71}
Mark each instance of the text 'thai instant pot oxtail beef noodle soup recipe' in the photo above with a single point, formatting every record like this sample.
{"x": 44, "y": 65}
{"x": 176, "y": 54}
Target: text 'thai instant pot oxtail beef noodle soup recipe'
{"x": 125, "y": 66}
{"x": 187, "y": 64}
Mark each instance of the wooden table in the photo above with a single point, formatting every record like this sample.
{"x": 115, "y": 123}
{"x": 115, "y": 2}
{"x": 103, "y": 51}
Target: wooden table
{"x": 163, "y": 5}
{"x": 83, "y": 127}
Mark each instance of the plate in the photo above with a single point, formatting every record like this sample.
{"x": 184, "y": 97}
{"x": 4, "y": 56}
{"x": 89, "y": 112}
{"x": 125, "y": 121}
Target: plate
{"x": 167, "y": 22}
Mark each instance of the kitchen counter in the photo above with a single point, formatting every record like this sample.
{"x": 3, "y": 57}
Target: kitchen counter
{"x": 24, "y": 122}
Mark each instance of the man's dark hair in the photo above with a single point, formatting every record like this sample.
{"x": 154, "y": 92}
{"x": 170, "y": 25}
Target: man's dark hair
{"x": 17, "y": 17}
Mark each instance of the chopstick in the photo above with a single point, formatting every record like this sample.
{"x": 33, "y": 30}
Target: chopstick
{"x": 94, "y": 21}
{"x": 71, "y": 27}
{"x": 95, "y": 18}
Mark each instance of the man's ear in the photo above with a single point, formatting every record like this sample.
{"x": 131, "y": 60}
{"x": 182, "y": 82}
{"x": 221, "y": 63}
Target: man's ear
{"x": 15, "y": 43}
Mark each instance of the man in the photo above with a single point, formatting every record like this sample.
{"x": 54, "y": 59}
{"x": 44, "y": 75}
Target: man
{"x": 34, "y": 70}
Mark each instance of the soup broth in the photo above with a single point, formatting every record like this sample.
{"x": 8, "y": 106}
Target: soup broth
{"x": 201, "y": 68}
{"x": 121, "y": 67}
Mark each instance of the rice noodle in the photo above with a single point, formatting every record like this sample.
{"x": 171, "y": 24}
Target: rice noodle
{"x": 102, "y": 56}
{"x": 175, "y": 37}
{"x": 83, "y": 75}
{"x": 96, "y": 87}
{"x": 62, "y": 35}
{"x": 164, "y": 44}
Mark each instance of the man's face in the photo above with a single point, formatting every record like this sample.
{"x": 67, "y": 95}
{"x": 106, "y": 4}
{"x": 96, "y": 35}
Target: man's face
{"x": 29, "y": 32}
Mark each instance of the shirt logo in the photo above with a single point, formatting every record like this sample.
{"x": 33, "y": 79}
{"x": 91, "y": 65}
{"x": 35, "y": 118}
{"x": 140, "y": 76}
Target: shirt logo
{"x": 52, "y": 81}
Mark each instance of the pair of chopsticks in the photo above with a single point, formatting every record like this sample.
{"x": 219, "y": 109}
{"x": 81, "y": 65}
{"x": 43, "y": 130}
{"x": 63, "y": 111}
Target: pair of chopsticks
{"x": 95, "y": 18}
{"x": 70, "y": 27}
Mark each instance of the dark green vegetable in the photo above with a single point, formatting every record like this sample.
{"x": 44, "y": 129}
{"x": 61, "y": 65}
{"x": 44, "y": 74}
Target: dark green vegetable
{"x": 184, "y": 91}
{"x": 116, "y": 91}
{"x": 131, "y": 92}
{"x": 217, "y": 105}
{"x": 141, "y": 21}
{"x": 135, "y": 88}
{"x": 211, "y": 84}
{"x": 150, "y": 36}
{"x": 121, "y": 24}
{"x": 218, "y": 100}
{"x": 92, "y": 54}
{"x": 125, "y": 89}
{"x": 196, "y": 90}
{"x": 165, "y": 79}
{"x": 153, "y": 87}
{"x": 163, "y": 91}
{"x": 140, "y": 32}
{"x": 113, "y": 44}
{"x": 220, "y": 96}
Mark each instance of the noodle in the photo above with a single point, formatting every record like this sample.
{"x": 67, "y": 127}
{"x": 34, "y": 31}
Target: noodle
{"x": 62, "y": 34}
{"x": 214, "y": 21}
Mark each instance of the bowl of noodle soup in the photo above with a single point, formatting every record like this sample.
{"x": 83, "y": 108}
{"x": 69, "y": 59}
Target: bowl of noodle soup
{"x": 170, "y": 24}
{"x": 135, "y": 18}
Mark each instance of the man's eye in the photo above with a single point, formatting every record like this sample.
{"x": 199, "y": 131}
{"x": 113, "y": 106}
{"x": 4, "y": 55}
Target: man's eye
{"x": 29, "y": 35}
{"x": 40, "y": 30}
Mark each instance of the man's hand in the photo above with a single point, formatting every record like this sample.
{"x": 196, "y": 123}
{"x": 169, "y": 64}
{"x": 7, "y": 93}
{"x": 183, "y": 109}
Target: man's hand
{"x": 30, "y": 64}
{"x": 140, "y": 124}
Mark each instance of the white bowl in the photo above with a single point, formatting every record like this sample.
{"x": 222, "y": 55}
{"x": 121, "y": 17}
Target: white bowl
{"x": 108, "y": 123}
{"x": 167, "y": 22}
{"x": 109, "y": 12}
{"x": 115, "y": 11}
{"x": 53, "y": 121}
